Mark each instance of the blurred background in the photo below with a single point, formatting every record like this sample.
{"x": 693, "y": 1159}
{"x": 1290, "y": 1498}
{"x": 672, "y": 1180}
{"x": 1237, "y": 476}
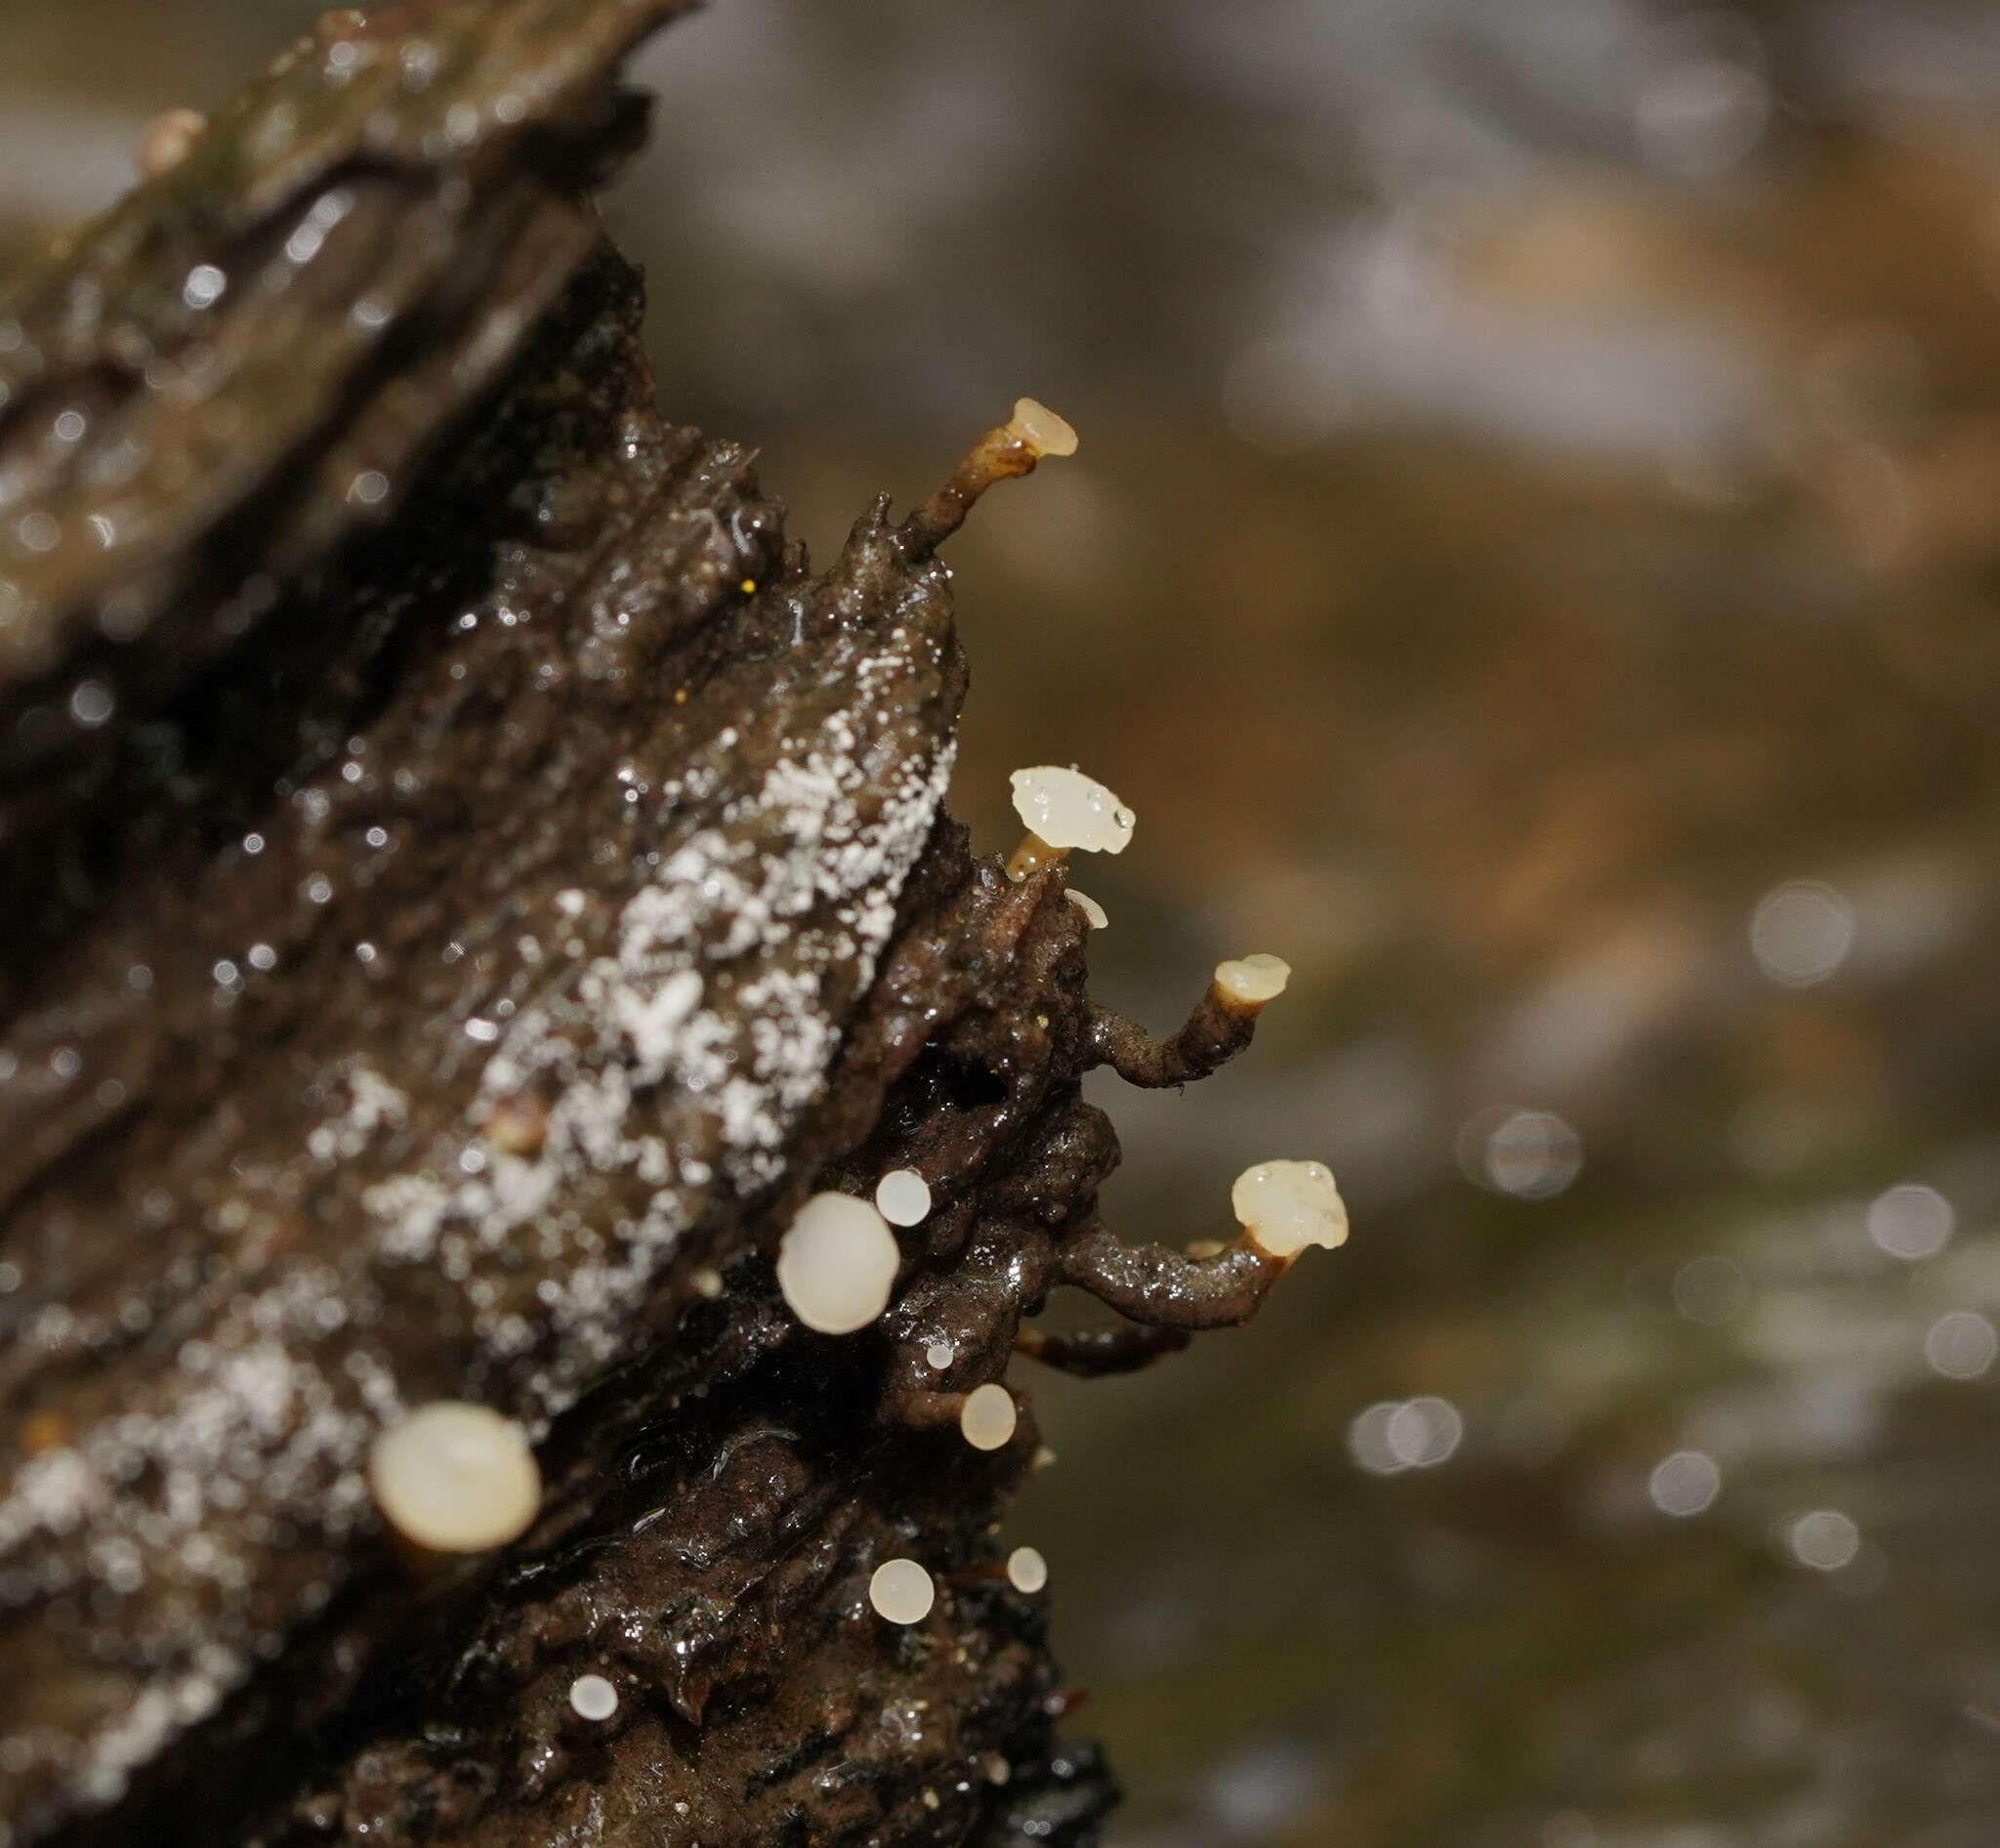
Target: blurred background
{"x": 1534, "y": 563}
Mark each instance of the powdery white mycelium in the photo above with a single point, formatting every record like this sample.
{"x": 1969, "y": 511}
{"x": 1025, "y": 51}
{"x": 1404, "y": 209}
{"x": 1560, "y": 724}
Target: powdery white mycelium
{"x": 901, "y": 1591}
{"x": 1287, "y": 1205}
{"x": 836, "y": 1264}
{"x": 456, "y": 1478}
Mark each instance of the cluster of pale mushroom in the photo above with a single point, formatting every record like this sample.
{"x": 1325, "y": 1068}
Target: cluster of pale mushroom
{"x": 456, "y": 1478}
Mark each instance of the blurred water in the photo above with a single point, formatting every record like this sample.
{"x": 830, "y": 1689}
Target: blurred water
{"x": 1533, "y": 563}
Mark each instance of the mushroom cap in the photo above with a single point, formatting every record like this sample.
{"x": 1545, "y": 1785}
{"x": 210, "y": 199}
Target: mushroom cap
{"x": 593, "y": 1698}
{"x": 1287, "y": 1205}
{"x": 456, "y": 1478}
{"x": 1069, "y": 809}
{"x": 901, "y": 1591}
{"x": 837, "y": 1264}
{"x": 903, "y": 1197}
{"x": 1252, "y": 980}
{"x": 1041, "y": 429}
{"x": 1094, "y": 914}
{"x": 1027, "y": 1569}
{"x": 988, "y": 1417}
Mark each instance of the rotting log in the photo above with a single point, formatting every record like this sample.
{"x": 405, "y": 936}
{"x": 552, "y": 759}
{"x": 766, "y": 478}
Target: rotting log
{"x": 470, "y": 883}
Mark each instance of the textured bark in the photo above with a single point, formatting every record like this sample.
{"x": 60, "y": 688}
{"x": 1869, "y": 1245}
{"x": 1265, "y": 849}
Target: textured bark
{"x": 474, "y": 884}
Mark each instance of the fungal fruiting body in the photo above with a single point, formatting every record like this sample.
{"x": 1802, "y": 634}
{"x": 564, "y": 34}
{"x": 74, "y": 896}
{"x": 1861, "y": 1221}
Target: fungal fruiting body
{"x": 1065, "y": 810}
{"x": 168, "y": 139}
{"x": 903, "y": 1197}
{"x": 1094, "y": 914}
{"x": 1041, "y": 429}
{"x": 988, "y": 1417}
{"x": 901, "y": 1591}
{"x": 1251, "y": 982}
{"x": 837, "y": 1263}
{"x": 455, "y": 1477}
{"x": 1284, "y": 1206}
{"x": 593, "y": 1698}
{"x": 1027, "y": 1569}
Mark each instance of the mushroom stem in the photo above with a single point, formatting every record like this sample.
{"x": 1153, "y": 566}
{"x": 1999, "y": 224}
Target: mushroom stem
{"x": 1010, "y": 449}
{"x": 1093, "y": 1353}
{"x": 1164, "y": 1289}
{"x": 1033, "y": 854}
{"x": 1221, "y": 1026}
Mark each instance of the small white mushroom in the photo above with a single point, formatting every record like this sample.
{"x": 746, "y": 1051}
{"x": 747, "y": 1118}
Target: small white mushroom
{"x": 1287, "y": 1205}
{"x": 988, "y": 1417}
{"x": 1064, "y": 808}
{"x": 456, "y": 1478}
{"x": 1026, "y": 1570}
{"x": 1041, "y": 429}
{"x": 593, "y": 1698}
{"x": 1252, "y": 980}
{"x": 168, "y": 139}
{"x": 1094, "y": 914}
{"x": 903, "y": 1195}
{"x": 901, "y": 1591}
{"x": 836, "y": 1264}
{"x": 938, "y": 1355}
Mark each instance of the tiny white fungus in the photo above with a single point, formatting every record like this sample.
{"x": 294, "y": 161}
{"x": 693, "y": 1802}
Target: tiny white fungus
{"x": 836, "y": 1264}
{"x": 1026, "y": 1570}
{"x": 903, "y": 1195}
{"x": 988, "y": 1417}
{"x": 593, "y": 1698}
{"x": 901, "y": 1591}
{"x": 1067, "y": 809}
{"x": 1252, "y": 980}
{"x": 938, "y": 1355}
{"x": 1041, "y": 429}
{"x": 1287, "y": 1205}
{"x": 1094, "y": 914}
{"x": 168, "y": 139}
{"x": 456, "y": 1478}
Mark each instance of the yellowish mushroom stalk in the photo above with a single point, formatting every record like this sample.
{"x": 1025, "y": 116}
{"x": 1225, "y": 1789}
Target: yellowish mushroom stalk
{"x": 837, "y": 1264}
{"x": 1284, "y": 1206}
{"x": 1063, "y": 812}
{"x": 1026, "y": 1570}
{"x": 456, "y": 1478}
{"x": 901, "y": 1591}
{"x": 168, "y": 139}
{"x": 988, "y": 1417}
{"x": 1009, "y": 449}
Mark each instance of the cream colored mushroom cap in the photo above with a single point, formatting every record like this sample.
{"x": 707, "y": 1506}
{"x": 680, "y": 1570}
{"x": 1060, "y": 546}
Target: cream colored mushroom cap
{"x": 1041, "y": 429}
{"x": 456, "y": 1478}
{"x": 1069, "y": 809}
{"x": 836, "y": 1264}
{"x": 901, "y": 1591}
{"x": 1252, "y": 980}
{"x": 988, "y": 1417}
{"x": 1027, "y": 1569}
{"x": 1287, "y": 1205}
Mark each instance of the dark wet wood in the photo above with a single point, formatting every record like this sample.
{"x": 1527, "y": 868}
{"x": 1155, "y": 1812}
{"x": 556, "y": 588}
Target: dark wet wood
{"x": 475, "y": 882}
